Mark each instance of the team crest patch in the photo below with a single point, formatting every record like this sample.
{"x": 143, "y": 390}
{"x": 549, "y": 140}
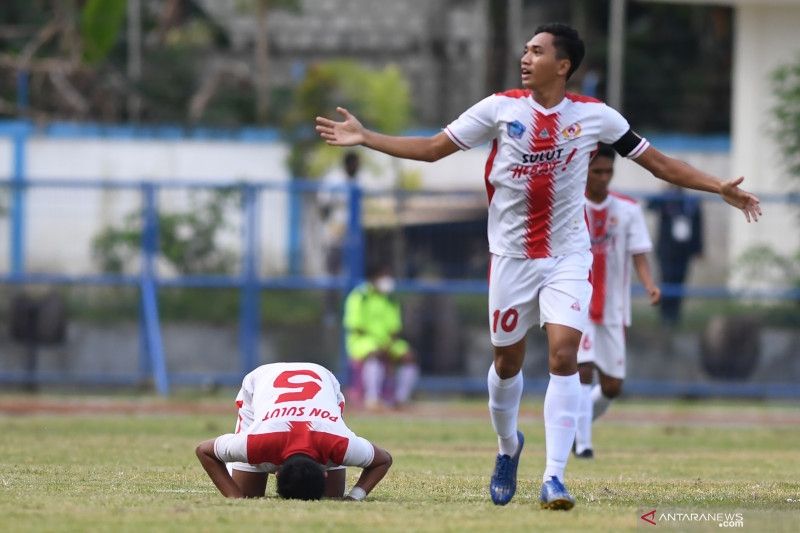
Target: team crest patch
{"x": 572, "y": 131}
{"x": 516, "y": 130}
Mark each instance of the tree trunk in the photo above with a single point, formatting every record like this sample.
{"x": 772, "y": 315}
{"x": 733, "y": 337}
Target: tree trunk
{"x": 262, "y": 62}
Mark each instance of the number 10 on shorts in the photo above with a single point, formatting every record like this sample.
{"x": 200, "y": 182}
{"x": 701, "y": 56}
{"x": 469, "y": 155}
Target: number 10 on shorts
{"x": 507, "y": 320}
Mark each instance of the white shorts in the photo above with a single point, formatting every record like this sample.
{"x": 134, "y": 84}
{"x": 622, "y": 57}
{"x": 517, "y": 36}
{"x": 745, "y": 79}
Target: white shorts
{"x": 605, "y": 347}
{"x": 558, "y": 287}
{"x": 265, "y": 468}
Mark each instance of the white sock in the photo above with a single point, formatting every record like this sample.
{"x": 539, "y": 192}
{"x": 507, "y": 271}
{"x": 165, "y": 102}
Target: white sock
{"x": 561, "y": 402}
{"x": 372, "y": 374}
{"x": 504, "y": 398}
{"x": 406, "y": 379}
{"x": 600, "y": 402}
{"x": 583, "y": 429}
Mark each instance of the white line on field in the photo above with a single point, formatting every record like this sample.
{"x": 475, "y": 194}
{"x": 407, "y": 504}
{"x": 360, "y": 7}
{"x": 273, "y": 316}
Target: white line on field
{"x": 185, "y": 491}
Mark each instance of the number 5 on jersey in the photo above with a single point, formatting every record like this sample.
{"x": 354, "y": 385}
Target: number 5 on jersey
{"x": 508, "y": 320}
{"x": 308, "y": 389}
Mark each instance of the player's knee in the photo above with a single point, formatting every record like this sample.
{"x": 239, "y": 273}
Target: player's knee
{"x": 508, "y": 359}
{"x": 563, "y": 360}
{"x": 506, "y": 367}
{"x": 612, "y": 389}
{"x": 586, "y": 372}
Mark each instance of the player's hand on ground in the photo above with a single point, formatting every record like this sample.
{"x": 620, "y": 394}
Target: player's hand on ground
{"x": 740, "y": 198}
{"x": 654, "y": 293}
{"x": 349, "y": 132}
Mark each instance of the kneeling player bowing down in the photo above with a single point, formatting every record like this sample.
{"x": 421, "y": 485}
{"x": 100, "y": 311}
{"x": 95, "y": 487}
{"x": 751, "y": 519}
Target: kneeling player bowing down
{"x": 290, "y": 424}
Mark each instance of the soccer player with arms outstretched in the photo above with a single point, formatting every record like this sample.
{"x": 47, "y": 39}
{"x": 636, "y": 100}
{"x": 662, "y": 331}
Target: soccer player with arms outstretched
{"x": 541, "y": 140}
{"x": 290, "y": 424}
{"x": 618, "y": 235}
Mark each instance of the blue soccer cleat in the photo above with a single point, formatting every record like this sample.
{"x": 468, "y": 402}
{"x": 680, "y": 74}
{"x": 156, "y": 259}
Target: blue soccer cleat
{"x": 555, "y": 496}
{"x": 504, "y": 479}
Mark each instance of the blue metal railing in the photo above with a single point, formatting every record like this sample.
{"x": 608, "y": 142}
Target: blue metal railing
{"x": 152, "y": 357}
{"x": 152, "y": 361}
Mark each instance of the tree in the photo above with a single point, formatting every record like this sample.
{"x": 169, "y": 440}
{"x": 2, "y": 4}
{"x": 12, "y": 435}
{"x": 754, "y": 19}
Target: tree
{"x": 261, "y": 55}
{"x": 762, "y": 262}
{"x": 188, "y": 240}
{"x": 786, "y": 80}
{"x": 381, "y": 99}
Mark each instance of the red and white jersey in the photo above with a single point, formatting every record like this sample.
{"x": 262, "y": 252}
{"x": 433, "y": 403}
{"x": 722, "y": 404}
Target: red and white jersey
{"x": 289, "y": 408}
{"x": 618, "y": 231}
{"x": 536, "y": 170}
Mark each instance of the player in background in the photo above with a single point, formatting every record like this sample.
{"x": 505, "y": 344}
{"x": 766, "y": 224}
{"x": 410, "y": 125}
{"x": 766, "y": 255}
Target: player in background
{"x": 373, "y": 323}
{"x": 290, "y": 424}
{"x": 541, "y": 140}
{"x": 618, "y": 233}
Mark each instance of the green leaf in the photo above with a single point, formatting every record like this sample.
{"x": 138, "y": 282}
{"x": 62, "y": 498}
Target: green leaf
{"x": 101, "y": 24}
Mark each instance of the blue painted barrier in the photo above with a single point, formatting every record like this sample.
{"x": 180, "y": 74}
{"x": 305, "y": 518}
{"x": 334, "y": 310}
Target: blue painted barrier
{"x": 152, "y": 362}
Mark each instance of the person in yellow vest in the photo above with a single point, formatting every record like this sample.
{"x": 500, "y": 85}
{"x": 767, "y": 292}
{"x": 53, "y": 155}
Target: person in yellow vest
{"x": 373, "y": 324}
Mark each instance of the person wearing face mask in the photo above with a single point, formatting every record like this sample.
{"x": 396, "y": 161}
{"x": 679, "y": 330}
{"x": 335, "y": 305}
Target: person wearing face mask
{"x": 373, "y": 324}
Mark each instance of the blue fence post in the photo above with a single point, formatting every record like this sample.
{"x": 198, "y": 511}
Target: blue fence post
{"x": 145, "y": 368}
{"x": 250, "y": 316}
{"x": 22, "y": 91}
{"x": 22, "y": 130}
{"x": 151, "y": 325}
{"x": 354, "y": 262}
{"x": 295, "y": 228}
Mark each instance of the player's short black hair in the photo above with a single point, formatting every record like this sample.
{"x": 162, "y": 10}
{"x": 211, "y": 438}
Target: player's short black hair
{"x": 351, "y": 158}
{"x": 377, "y": 267}
{"x": 567, "y": 42}
{"x": 605, "y": 150}
{"x": 301, "y": 478}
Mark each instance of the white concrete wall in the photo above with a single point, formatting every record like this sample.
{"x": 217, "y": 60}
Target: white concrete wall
{"x": 767, "y": 35}
{"x": 62, "y": 222}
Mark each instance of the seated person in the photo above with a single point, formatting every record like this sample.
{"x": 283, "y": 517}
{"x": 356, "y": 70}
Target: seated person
{"x": 373, "y": 322}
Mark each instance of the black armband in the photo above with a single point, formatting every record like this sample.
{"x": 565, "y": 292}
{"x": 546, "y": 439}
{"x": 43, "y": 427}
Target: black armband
{"x": 631, "y": 145}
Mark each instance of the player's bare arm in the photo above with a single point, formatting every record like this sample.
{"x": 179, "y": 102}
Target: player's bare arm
{"x": 350, "y": 132}
{"x": 682, "y": 174}
{"x": 642, "y": 266}
{"x": 217, "y": 471}
{"x": 335, "y": 480}
{"x": 373, "y": 474}
{"x": 252, "y": 484}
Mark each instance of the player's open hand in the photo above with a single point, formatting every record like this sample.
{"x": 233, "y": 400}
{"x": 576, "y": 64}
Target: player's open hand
{"x": 349, "y": 132}
{"x": 740, "y": 198}
{"x": 654, "y": 293}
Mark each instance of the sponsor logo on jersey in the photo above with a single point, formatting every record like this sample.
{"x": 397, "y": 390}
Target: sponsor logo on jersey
{"x": 541, "y": 157}
{"x": 602, "y": 243}
{"x": 572, "y": 131}
{"x": 515, "y": 129}
{"x": 544, "y": 134}
{"x": 538, "y": 163}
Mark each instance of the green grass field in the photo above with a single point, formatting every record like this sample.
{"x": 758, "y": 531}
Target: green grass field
{"x": 130, "y": 466}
